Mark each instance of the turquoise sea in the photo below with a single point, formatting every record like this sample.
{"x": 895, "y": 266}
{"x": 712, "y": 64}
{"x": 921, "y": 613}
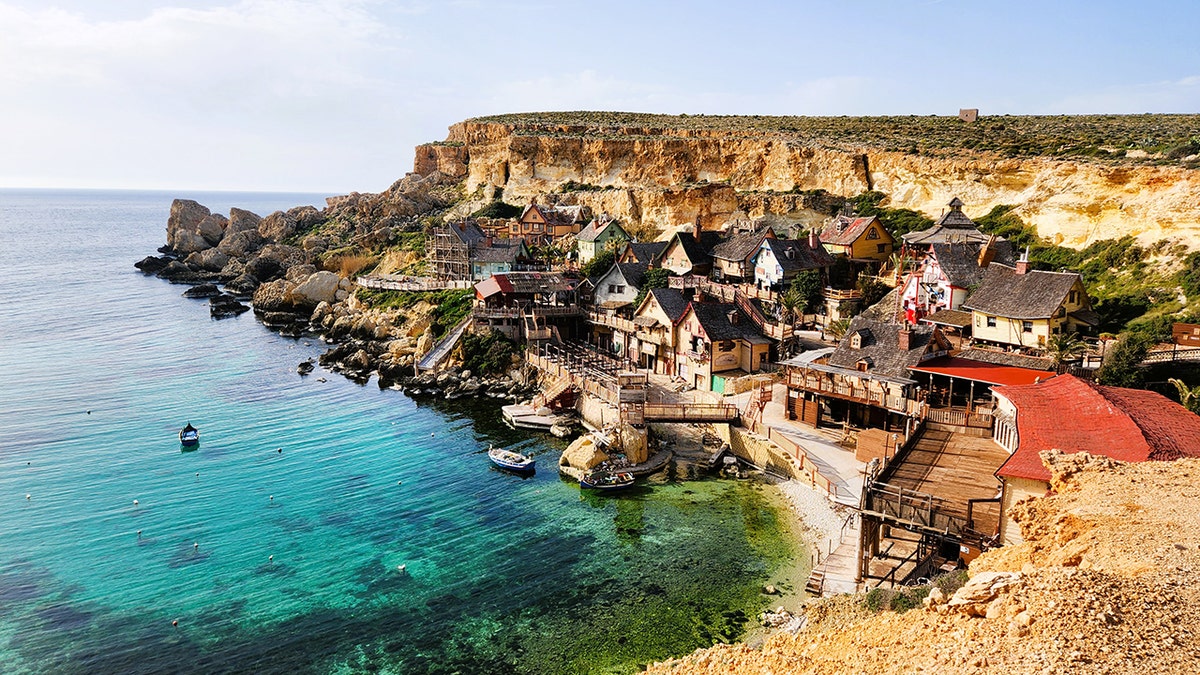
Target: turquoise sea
{"x": 276, "y": 546}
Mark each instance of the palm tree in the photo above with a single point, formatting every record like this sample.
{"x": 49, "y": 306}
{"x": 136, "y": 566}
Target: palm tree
{"x": 837, "y": 329}
{"x": 1189, "y": 397}
{"x": 789, "y": 303}
{"x": 1065, "y": 347}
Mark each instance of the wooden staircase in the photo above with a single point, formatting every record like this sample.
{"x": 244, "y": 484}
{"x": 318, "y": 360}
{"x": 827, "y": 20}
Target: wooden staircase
{"x": 816, "y": 582}
{"x": 552, "y": 393}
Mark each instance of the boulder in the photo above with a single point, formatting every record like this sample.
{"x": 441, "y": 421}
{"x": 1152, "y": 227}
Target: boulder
{"x": 223, "y": 306}
{"x": 583, "y": 454}
{"x": 240, "y": 243}
{"x": 314, "y": 244}
{"x": 241, "y": 220}
{"x": 209, "y": 259}
{"x": 981, "y": 590}
{"x": 183, "y": 224}
{"x": 212, "y": 228}
{"x": 277, "y": 226}
{"x": 242, "y": 285}
{"x": 202, "y": 291}
{"x": 299, "y": 273}
{"x": 286, "y": 256}
{"x": 264, "y": 268}
{"x": 306, "y": 217}
{"x": 319, "y": 287}
{"x": 151, "y": 264}
{"x": 273, "y": 296}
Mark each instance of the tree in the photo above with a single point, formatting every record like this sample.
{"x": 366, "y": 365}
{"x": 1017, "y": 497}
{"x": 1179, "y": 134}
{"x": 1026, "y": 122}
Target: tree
{"x": 837, "y": 329}
{"x": 655, "y": 278}
{"x": 1189, "y": 397}
{"x": 807, "y": 286}
{"x": 1065, "y": 347}
{"x": 1122, "y": 363}
{"x": 872, "y": 291}
{"x": 599, "y": 264}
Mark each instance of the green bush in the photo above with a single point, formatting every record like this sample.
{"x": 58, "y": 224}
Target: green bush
{"x": 1122, "y": 363}
{"x": 487, "y": 353}
{"x": 498, "y": 209}
{"x": 599, "y": 264}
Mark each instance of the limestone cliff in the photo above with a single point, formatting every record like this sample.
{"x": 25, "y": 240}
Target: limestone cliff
{"x": 662, "y": 177}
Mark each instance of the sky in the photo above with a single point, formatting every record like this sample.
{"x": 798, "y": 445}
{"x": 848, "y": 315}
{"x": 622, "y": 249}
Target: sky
{"x": 331, "y": 96}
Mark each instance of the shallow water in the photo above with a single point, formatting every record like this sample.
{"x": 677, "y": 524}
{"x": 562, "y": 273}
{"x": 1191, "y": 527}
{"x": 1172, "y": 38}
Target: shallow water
{"x": 275, "y": 546}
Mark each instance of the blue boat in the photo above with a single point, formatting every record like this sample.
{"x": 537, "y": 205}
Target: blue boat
{"x": 189, "y": 436}
{"x": 509, "y": 460}
{"x": 606, "y": 480}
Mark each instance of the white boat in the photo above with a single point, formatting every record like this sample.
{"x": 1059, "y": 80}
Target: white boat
{"x": 528, "y": 417}
{"x": 509, "y": 460}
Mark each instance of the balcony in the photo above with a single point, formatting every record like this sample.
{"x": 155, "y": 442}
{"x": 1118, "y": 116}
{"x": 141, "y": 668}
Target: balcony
{"x": 849, "y": 391}
{"x": 486, "y": 312}
{"x": 614, "y": 322}
{"x": 839, "y": 294}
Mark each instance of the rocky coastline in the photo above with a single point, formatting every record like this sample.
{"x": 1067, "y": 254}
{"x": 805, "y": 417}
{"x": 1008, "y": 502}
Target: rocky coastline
{"x": 279, "y": 267}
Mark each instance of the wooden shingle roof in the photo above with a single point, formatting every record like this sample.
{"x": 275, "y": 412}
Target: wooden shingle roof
{"x": 1035, "y": 294}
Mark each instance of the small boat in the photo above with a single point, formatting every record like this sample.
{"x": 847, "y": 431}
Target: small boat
{"x": 509, "y": 460}
{"x": 189, "y": 436}
{"x": 606, "y": 480}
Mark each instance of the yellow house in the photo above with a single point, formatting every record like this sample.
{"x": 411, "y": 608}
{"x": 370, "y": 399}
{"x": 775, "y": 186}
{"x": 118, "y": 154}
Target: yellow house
{"x": 1019, "y": 307}
{"x": 858, "y": 238}
{"x": 715, "y": 343}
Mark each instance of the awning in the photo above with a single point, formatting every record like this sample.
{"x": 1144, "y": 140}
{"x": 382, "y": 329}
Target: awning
{"x": 645, "y": 321}
{"x": 1086, "y": 317}
{"x": 988, "y": 373}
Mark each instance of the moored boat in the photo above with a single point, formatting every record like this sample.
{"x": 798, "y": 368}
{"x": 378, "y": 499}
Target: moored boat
{"x": 189, "y": 436}
{"x": 510, "y": 461}
{"x": 606, "y": 480}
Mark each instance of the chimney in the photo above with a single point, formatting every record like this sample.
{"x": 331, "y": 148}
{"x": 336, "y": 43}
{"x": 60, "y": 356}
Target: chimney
{"x": 1023, "y": 263}
{"x": 487, "y": 241}
{"x": 987, "y": 252}
{"x": 813, "y": 242}
{"x": 904, "y": 337}
{"x": 696, "y": 229}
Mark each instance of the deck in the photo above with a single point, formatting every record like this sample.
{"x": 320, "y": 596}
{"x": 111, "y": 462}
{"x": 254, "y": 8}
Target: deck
{"x": 954, "y": 469}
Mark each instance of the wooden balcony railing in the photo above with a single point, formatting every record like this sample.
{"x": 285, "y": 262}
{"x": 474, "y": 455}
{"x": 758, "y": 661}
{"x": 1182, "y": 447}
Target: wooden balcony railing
{"x": 615, "y": 322}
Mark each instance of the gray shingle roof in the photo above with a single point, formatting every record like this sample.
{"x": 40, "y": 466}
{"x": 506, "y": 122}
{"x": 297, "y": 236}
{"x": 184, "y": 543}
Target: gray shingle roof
{"x": 467, "y": 232}
{"x": 634, "y": 273}
{"x": 671, "y": 300}
{"x": 698, "y": 252}
{"x": 714, "y": 318}
{"x": 595, "y": 228}
{"x": 740, "y": 246}
{"x": 1033, "y": 295}
{"x": 960, "y": 261}
{"x": 882, "y": 347}
{"x": 647, "y": 252}
{"x": 802, "y": 257}
{"x": 953, "y": 226}
{"x": 501, "y": 250}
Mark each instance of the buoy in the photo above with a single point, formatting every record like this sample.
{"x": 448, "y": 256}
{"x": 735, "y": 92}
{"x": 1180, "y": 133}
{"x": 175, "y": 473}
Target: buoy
{"x": 397, "y": 482}
{"x": 270, "y": 558}
{"x": 196, "y": 546}
{"x": 28, "y": 496}
{"x": 272, "y": 497}
{"x": 279, "y": 450}
{"x": 431, "y": 435}
{"x": 139, "y": 534}
{"x": 402, "y": 568}
{"x": 135, "y": 502}
{"x": 175, "y": 623}
{"x": 89, "y": 412}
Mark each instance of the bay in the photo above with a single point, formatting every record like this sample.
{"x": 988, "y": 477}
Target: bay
{"x": 277, "y": 546}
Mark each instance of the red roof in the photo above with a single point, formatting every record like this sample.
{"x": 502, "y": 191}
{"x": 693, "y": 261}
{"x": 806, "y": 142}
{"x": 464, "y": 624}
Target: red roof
{"x": 989, "y": 373}
{"x": 1071, "y": 415}
{"x": 844, "y": 230}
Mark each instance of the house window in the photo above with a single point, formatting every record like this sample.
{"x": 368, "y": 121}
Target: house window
{"x": 1026, "y": 326}
{"x": 872, "y": 233}
{"x": 1071, "y": 298}
{"x": 991, "y": 322}
{"x": 621, "y": 289}
{"x": 882, "y": 248}
{"x": 612, "y": 288}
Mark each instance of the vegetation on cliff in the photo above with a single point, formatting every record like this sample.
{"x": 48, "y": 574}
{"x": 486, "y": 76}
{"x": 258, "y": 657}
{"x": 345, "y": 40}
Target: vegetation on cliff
{"x": 1141, "y": 139}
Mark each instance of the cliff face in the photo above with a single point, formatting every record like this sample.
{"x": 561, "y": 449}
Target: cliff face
{"x": 663, "y": 178}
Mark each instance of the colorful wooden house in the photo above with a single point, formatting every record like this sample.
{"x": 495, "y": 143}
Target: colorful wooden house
{"x": 733, "y": 258}
{"x": 715, "y": 343}
{"x": 542, "y": 225}
{"x": 1021, "y": 307}
{"x": 598, "y": 235}
{"x": 862, "y": 239}
{"x": 778, "y": 261}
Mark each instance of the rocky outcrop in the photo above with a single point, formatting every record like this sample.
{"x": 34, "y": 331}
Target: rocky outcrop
{"x": 191, "y": 227}
{"x": 660, "y": 178}
{"x": 241, "y": 220}
{"x": 277, "y": 226}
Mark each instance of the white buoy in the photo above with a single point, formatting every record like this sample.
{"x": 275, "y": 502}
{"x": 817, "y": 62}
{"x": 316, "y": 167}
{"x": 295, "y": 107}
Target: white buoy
{"x": 139, "y": 534}
{"x": 135, "y": 502}
{"x": 397, "y": 482}
{"x": 28, "y": 496}
{"x": 402, "y": 568}
{"x": 270, "y": 558}
{"x": 272, "y": 498}
{"x": 196, "y": 546}
{"x": 432, "y": 435}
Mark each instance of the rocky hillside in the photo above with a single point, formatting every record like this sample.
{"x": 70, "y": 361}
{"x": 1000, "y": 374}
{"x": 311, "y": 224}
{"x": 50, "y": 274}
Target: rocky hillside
{"x": 1104, "y": 583}
{"x": 1077, "y": 179}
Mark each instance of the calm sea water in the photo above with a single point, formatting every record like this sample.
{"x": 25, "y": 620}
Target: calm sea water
{"x": 288, "y": 561}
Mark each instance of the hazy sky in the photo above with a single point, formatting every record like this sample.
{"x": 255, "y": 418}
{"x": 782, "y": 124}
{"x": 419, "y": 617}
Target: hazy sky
{"x": 332, "y": 95}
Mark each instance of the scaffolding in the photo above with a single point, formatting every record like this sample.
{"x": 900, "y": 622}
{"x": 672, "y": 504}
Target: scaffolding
{"x": 449, "y": 252}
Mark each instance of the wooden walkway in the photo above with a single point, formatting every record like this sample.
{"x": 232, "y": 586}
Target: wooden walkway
{"x": 954, "y": 469}
{"x": 395, "y": 282}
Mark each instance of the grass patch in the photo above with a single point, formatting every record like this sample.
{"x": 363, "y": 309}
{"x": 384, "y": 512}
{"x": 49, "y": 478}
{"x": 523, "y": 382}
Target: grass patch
{"x": 902, "y": 599}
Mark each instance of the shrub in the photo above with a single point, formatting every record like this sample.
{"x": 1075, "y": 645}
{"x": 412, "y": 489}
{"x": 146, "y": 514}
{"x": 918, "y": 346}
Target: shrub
{"x": 599, "y": 264}
{"x": 487, "y": 353}
{"x": 1122, "y": 363}
{"x": 350, "y": 265}
{"x": 498, "y": 209}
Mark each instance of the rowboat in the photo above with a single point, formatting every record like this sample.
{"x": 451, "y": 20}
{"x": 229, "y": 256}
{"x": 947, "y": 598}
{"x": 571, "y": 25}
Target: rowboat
{"x": 606, "y": 480}
{"x": 189, "y": 436}
{"x": 509, "y": 460}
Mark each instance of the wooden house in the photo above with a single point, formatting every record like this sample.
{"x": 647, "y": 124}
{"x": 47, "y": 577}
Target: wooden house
{"x": 953, "y": 227}
{"x": 526, "y": 306}
{"x": 778, "y": 261}
{"x": 733, "y": 258}
{"x": 865, "y": 382}
{"x": 496, "y": 256}
{"x": 947, "y": 272}
{"x": 1071, "y": 415}
{"x": 714, "y": 342}
{"x": 542, "y": 225}
{"x": 654, "y": 319}
{"x": 1020, "y": 307}
{"x": 598, "y": 235}
{"x": 690, "y": 252}
{"x": 860, "y": 239}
